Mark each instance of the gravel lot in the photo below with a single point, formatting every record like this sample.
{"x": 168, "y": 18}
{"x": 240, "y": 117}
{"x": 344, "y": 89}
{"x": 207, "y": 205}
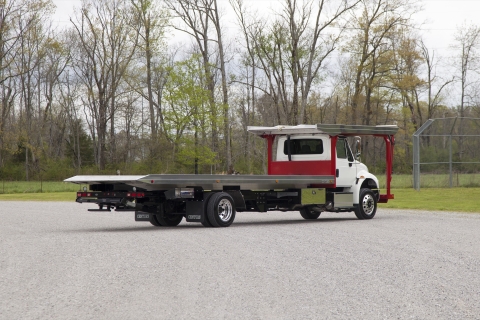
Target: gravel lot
{"x": 59, "y": 261}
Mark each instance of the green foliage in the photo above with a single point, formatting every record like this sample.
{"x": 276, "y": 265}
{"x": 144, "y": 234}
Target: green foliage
{"x": 189, "y": 116}
{"x": 402, "y": 161}
{"x": 56, "y": 170}
{"x": 12, "y": 171}
{"x": 145, "y": 167}
{"x": 191, "y": 153}
{"x": 84, "y": 151}
{"x": 245, "y": 165}
{"x": 186, "y": 98}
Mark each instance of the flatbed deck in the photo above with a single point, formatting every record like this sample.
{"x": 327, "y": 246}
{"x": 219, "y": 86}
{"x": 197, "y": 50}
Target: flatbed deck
{"x": 209, "y": 181}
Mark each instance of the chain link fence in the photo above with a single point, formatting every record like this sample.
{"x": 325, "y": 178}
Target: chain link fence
{"x": 448, "y": 147}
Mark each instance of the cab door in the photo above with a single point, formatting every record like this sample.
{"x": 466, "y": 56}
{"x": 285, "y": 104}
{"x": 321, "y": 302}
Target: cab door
{"x": 346, "y": 172}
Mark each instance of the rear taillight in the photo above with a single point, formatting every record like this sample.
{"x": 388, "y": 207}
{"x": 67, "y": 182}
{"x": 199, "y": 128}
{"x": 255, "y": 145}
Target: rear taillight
{"x": 136, "y": 194}
{"x": 83, "y": 194}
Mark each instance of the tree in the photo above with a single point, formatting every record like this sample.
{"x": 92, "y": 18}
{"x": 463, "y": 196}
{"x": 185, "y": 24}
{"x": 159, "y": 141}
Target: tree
{"x": 187, "y": 113}
{"x": 373, "y": 23}
{"x": 150, "y": 24}
{"x": 433, "y": 98}
{"x": 10, "y": 16}
{"x": 28, "y": 63}
{"x": 406, "y": 61}
{"x": 56, "y": 60}
{"x": 198, "y": 16}
{"x": 467, "y": 41}
{"x": 293, "y": 50}
{"x": 104, "y": 52}
{"x": 79, "y": 147}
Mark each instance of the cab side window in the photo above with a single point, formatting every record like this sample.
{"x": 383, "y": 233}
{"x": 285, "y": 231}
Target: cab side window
{"x": 341, "y": 149}
{"x": 303, "y": 146}
{"x": 349, "y": 152}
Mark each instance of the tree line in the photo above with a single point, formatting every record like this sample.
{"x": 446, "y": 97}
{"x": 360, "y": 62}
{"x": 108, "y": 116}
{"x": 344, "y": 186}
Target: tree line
{"x": 113, "y": 90}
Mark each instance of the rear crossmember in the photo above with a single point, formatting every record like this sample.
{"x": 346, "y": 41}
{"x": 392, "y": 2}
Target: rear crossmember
{"x": 121, "y": 201}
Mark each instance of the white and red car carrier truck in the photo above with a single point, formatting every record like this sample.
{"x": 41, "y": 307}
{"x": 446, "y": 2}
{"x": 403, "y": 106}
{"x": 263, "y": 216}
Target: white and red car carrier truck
{"x": 311, "y": 169}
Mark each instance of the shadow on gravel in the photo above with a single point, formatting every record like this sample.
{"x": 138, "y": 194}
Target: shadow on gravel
{"x": 132, "y": 229}
{"x": 285, "y": 222}
{"x": 190, "y": 226}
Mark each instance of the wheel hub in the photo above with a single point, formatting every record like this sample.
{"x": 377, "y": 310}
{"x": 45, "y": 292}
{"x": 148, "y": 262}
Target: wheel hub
{"x": 225, "y": 210}
{"x": 368, "y": 204}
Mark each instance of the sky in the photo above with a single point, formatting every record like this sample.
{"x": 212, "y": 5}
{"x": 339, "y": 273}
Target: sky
{"x": 443, "y": 17}
{"x": 438, "y": 21}
{"x": 440, "y": 18}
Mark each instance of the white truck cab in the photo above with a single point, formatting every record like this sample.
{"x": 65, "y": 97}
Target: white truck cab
{"x": 317, "y": 147}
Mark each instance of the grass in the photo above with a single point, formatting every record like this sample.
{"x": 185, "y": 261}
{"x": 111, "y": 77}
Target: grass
{"x": 8, "y": 187}
{"x": 436, "y": 199}
{"x": 52, "y": 196}
{"x": 432, "y": 180}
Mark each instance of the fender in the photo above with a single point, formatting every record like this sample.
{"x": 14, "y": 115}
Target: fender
{"x": 364, "y": 180}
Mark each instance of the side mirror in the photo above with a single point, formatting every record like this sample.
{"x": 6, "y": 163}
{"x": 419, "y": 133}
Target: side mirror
{"x": 357, "y": 147}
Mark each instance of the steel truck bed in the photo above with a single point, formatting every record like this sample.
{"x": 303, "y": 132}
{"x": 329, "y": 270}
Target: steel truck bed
{"x": 209, "y": 182}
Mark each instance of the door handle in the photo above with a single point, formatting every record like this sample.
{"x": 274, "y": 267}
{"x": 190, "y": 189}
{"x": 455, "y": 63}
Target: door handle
{"x": 337, "y": 173}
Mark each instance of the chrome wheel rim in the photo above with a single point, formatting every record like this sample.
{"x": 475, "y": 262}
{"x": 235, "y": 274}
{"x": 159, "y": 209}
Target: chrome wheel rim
{"x": 225, "y": 210}
{"x": 368, "y": 204}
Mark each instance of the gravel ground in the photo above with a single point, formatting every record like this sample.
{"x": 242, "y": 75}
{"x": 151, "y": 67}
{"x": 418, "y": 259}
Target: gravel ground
{"x": 59, "y": 261}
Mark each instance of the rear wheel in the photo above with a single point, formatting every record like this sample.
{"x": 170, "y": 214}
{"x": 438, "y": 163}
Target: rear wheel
{"x": 169, "y": 220}
{"x": 206, "y": 222}
{"x": 154, "y": 221}
{"x": 367, "y": 206}
{"x": 164, "y": 218}
{"x": 221, "y": 210}
{"x": 309, "y": 214}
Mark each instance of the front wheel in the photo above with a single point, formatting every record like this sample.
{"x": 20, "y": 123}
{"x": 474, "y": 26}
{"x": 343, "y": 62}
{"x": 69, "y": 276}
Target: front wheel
{"x": 367, "y": 206}
{"x": 221, "y": 210}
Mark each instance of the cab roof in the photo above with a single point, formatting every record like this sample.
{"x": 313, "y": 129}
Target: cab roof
{"x": 330, "y": 129}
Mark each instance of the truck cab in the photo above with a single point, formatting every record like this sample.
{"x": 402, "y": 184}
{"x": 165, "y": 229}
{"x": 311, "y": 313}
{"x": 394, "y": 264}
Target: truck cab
{"x": 313, "y": 154}
{"x": 317, "y": 148}
{"x": 322, "y": 150}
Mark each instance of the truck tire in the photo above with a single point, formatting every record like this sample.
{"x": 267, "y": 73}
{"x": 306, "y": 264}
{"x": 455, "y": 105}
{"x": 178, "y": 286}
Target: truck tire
{"x": 206, "y": 223}
{"x": 367, "y": 206}
{"x": 167, "y": 220}
{"x": 221, "y": 210}
{"x": 154, "y": 221}
{"x": 308, "y": 214}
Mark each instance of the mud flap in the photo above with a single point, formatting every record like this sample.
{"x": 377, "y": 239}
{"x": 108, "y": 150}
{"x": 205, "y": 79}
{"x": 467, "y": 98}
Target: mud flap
{"x": 195, "y": 211}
